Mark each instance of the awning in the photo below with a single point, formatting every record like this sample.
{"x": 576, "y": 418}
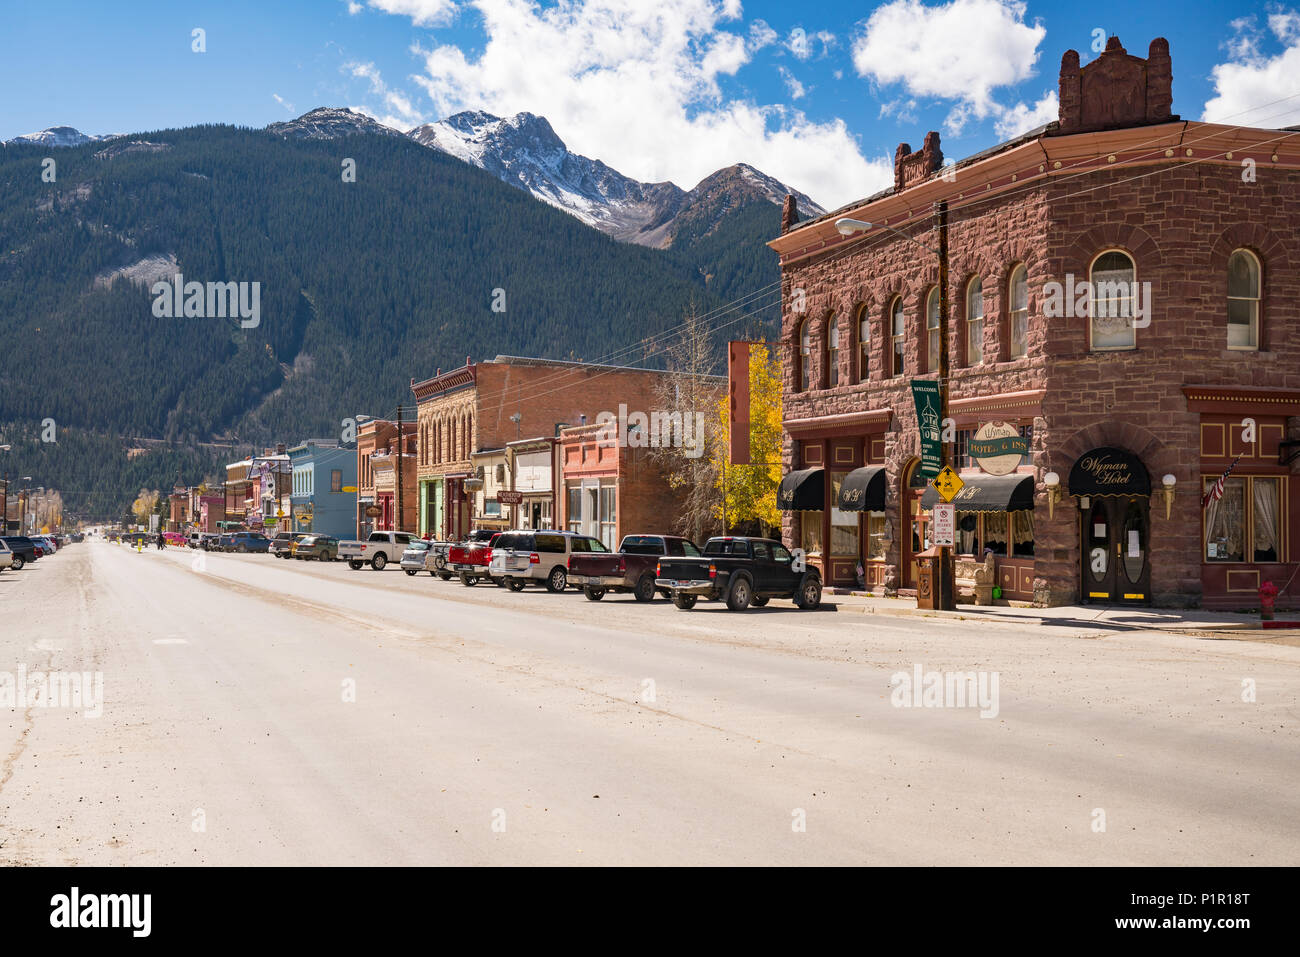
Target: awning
{"x": 863, "y": 490}
{"x": 802, "y": 491}
{"x": 1109, "y": 471}
{"x": 989, "y": 493}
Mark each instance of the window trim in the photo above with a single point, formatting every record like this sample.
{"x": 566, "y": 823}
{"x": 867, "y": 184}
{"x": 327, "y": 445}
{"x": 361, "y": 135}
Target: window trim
{"x": 1017, "y": 269}
{"x": 803, "y": 344}
{"x": 970, "y": 283}
{"x": 1258, "y": 300}
{"x": 932, "y": 332}
{"x": 897, "y": 335}
{"x": 1248, "y": 505}
{"x": 1092, "y": 299}
{"x": 832, "y": 352}
{"x": 863, "y": 343}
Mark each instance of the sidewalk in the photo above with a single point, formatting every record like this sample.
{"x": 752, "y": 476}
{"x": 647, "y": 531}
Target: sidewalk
{"x": 1110, "y": 617}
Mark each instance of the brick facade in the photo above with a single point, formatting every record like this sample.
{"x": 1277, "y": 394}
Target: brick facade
{"x": 1177, "y": 199}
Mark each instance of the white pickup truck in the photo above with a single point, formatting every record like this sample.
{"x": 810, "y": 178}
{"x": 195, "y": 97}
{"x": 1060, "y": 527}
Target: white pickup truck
{"x": 377, "y": 550}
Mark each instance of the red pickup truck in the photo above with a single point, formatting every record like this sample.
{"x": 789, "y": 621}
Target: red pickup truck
{"x": 469, "y": 559}
{"x": 630, "y": 569}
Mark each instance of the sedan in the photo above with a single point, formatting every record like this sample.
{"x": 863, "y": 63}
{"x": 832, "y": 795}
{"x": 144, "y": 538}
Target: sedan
{"x": 323, "y": 548}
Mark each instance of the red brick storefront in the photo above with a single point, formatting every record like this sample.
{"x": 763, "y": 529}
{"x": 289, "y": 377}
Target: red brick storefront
{"x": 1119, "y": 190}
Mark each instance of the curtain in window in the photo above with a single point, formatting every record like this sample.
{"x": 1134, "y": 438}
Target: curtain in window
{"x": 1265, "y": 495}
{"x": 1225, "y": 521}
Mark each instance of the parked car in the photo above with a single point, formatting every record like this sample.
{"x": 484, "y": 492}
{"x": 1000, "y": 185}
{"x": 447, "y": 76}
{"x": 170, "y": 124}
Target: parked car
{"x": 282, "y": 544}
{"x": 744, "y": 571}
{"x": 23, "y": 549}
{"x": 6, "y": 556}
{"x": 174, "y": 538}
{"x": 417, "y": 557}
{"x": 377, "y": 550}
{"x": 207, "y": 541}
{"x": 540, "y": 557}
{"x": 630, "y": 569}
{"x": 470, "y": 559}
{"x": 245, "y": 542}
{"x": 323, "y": 548}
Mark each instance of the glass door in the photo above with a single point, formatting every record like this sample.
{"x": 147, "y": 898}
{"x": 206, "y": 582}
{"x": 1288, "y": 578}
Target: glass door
{"x": 1115, "y": 552}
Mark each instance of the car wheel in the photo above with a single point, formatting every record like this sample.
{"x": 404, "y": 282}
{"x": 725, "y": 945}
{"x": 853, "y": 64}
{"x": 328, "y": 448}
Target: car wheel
{"x": 19, "y": 562}
{"x": 378, "y": 562}
{"x": 409, "y": 571}
{"x": 355, "y": 566}
{"x": 445, "y": 576}
{"x": 557, "y": 580}
{"x": 645, "y": 588}
{"x": 243, "y": 549}
{"x": 758, "y": 601}
{"x": 739, "y": 594}
{"x": 468, "y": 580}
{"x": 685, "y": 602}
{"x": 515, "y": 584}
{"x": 809, "y": 594}
{"x": 593, "y": 594}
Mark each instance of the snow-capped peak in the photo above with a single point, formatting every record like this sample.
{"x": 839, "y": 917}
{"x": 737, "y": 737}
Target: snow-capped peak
{"x": 57, "y": 136}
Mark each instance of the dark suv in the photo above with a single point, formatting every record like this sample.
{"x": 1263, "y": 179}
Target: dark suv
{"x": 24, "y": 550}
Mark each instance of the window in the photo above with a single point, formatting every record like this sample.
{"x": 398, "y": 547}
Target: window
{"x": 1243, "y": 525}
{"x": 896, "y": 338}
{"x": 780, "y": 555}
{"x": 1027, "y": 433}
{"x": 491, "y": 507}
{"x": 1243, "y": 300}
{"x": 762, "y": 552}
{"x": 1002, "y": 533}
{"x": 574, "y": 512}
{"x": 1018, "y": 298}
{"x": 877, "y": 540}
{"x": 1112, "y": 305}
{"x": 961, "y": 458}
{"x": 805, "y": 358}
{"x": 932, "y": 330}
{"x": 811, "y": 532}
{"x": 864, "y": 345}
{"x": 833, "y": 353}
{"x": 844, "y": 525}
{"x": 336, "y": 480}
{"x": 608, "y": 515}
{"x": 975, "y": 322}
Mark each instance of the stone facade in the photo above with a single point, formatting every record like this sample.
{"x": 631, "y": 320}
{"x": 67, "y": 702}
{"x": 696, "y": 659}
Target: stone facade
{"x": 1177, "y": 199}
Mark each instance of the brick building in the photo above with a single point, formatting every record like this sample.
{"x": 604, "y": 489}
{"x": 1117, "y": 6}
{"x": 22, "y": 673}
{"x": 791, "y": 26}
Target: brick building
{"x": 498, "y": 404}
{"x": 1134, "y": 398}
{"x": 377, "y": 487}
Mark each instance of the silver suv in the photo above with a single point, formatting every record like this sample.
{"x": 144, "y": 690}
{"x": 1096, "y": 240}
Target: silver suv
{"x": 540, "y": 557}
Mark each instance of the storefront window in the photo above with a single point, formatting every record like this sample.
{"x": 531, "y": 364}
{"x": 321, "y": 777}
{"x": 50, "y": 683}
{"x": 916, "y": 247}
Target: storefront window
{"x": 877, "y": 539}
{"x": 995, "y": 533}
{"x": 608, "y": 516}
{"x": 1022, "y": 534}
{"x": 844, "y": 525}
{"x": 1243, "y": 525}
{"x": 1264, "y": 499}
{"x": 811, "y": 525}
{"x": 574, "y": 512}
{"x": 967, "y": 532}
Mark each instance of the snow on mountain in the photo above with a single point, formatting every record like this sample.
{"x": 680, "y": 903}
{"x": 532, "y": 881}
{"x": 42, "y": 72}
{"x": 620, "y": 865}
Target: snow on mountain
{"x": 57, "y": 136}
{"x": 329, "y": 122}
{"x": 524, "y": 151}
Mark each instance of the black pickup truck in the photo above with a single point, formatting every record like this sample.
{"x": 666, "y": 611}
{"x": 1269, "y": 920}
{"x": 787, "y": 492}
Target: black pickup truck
{"x": 744, "y": 571}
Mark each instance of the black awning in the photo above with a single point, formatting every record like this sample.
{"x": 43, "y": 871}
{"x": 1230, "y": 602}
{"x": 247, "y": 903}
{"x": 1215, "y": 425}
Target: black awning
{"x": 1109, "y": 471}
{"x": 989, "y": 493}
{"x": 802, "y": 491}
{"x": 863, "y": 490}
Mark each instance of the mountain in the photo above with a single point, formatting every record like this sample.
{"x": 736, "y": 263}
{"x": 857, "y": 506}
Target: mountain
{"x": 524, "y": 151}
{"x": 59, "y": 136}
{"x": 362, "y": 285}
{"x": 327, "y": 123}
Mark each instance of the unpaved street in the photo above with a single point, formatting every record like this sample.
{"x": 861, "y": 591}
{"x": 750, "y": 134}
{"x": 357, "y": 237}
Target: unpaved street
{"x": 258, "y": 711}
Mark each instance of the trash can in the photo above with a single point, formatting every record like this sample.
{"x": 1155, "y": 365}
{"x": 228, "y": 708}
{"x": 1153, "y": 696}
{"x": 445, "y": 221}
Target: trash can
{"x": 927, "y": 565}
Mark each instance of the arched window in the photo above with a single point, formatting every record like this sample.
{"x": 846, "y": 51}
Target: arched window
{"x": 805, "y": 357}
{"x": 896, "y": 330}
{"x": 1018, "y": 318}
{"x": 1243, "y": 300}
{"x": 975, "y": 322}
{"x": 932, "y": 330}
{"x": 864, "y": 344}
{"x": 833, "y": 352}
{"x": 1113, "y": 279}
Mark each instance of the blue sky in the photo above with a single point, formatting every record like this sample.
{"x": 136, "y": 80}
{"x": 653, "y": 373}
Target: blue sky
{"x": 818, "y": 93}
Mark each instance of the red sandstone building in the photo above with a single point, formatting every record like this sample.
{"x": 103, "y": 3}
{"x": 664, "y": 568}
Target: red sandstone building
{"x": 377, "y": 477}
{"x": 1132, "y": 417}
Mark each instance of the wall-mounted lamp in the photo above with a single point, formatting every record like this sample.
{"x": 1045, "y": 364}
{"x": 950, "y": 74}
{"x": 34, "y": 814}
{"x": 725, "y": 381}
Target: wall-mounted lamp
{"x": 1053, "y": 483}
{"x": 1169, "y": 481}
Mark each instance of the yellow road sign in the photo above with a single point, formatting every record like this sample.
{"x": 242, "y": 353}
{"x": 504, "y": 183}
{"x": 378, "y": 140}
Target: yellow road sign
{"x": 947, "y": 483}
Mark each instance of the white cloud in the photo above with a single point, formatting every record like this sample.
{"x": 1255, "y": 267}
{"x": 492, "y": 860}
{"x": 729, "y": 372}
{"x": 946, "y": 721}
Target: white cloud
{"x": 1250, "y": 85}
{"x": 1022, "y": 118}
{"x": 423, "y": 13}
{"x": 636, "y": 85}
{"x": 902, "y": 108}
{"x": 402, "y": 114}
{"x": 962, "y": 51}
{"x": 791, "y": 83}
{"x": 354, "y": 8}
{"x": 281, "y": 100}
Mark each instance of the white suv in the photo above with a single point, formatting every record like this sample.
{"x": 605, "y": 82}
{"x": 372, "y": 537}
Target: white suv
{"x": 541, "y": 557}
{"x": 6, "y": 555}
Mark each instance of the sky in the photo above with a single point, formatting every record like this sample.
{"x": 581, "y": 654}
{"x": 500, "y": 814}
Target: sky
{"x": 818, "y": 94}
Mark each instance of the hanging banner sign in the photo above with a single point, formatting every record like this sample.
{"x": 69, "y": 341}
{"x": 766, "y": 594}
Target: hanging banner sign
{"x": 925, "y": 393}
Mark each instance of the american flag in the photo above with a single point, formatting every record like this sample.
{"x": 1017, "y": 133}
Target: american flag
{"x": 1216, "y": 490}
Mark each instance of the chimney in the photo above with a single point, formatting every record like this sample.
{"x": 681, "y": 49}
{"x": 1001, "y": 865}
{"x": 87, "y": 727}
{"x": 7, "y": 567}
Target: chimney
{"x": 789, "y": 213}
{"x": 912, "y": 168}
{"x": 1116, "y": 90}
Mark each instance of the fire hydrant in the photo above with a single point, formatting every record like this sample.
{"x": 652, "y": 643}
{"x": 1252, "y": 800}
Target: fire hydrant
{"x": 1267, "y": 595}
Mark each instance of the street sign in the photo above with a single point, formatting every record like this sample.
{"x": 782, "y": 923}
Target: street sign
{"x": 944, "y": 526}
{"x": 947, "y": 483}
{"x": 349, "y": 488}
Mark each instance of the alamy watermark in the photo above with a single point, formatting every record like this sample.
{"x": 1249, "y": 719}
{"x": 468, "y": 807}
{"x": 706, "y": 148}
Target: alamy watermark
{"x": 1102, "y": 299}
{"x": 656, "y": 430}
{"x": 76, "y": 690}
{"x": 946, "y": 689}
{"x": 213, "y": 300}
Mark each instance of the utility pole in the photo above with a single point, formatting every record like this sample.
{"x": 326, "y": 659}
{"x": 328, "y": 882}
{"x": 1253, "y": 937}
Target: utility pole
{"x": 944, "y": 586}
{"x": 401, "y": 441}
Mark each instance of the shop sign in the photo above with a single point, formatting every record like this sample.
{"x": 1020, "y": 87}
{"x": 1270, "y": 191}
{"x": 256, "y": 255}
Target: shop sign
{"x": 944, "y": 524}
{"x": 510, "y": 497}
{"x": 925, "y": 393}
{"x": 998, "y": 447}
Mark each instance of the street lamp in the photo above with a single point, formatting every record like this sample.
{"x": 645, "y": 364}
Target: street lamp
{"x": 944, "y": 597}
